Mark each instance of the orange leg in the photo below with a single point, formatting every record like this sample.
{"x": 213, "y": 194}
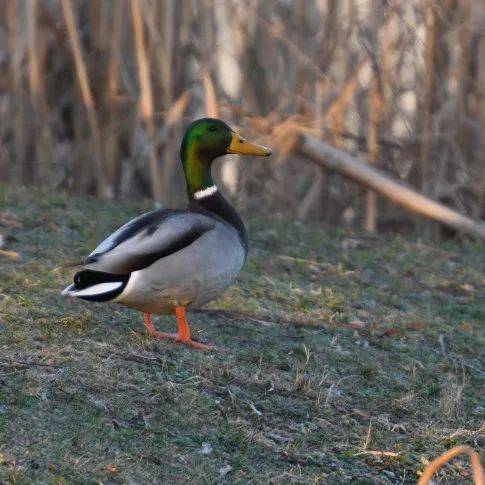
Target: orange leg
{"x": 183, "y": 334}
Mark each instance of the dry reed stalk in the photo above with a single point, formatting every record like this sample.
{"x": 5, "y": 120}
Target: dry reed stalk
{"x": 10, "y": 25}
{"x": 481, "y": 122}
{"x": 437, "y": 16}
{"x": 375, "y": 101}
{"x": 211, "y": 109}
{"x": 172, "y": 118}
{"x": 346, "y": 94}
{"x": 145, "y": 102}
{"x": 374, "y": 107}
{"x": 372, "y": 46}
{"x": 319, "y": 99}
{"x": 112, "y": 130}
{"x": 95, "y": 25}
{"x": 436, "y": 71}
{"x": 314, "y": 192}
{"x": 34, "y": 75}
{"x": 436, "y": 464}
{"x": 15, "y": 55}
{"x": 168, "y": 50}
{"x": 429, "y": 86}
{"x": 163, "y": 45}
{"x": 176, "y": 111}
{"x": 151, "y": 12}
{"x": 34, "y": 80}
{"x": 470, "y": 78}
{"x": 335, "y": 113}
{"x": 114, "y": 51}
{"x": 103, "y": 189}
{"x": 42, "y": 148}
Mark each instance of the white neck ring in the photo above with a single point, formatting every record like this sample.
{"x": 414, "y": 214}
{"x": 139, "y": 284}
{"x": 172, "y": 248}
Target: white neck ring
{"x": 202, "y": 194}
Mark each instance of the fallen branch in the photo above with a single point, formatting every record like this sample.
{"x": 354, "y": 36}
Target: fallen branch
{"x": 351, "y": 167}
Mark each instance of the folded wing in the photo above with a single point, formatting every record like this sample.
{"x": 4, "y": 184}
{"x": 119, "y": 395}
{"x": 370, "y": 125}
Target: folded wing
{"x": 146, "y": 239}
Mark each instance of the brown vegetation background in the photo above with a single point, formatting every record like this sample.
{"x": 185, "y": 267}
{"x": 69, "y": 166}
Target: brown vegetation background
{"x": 95, "y": 95}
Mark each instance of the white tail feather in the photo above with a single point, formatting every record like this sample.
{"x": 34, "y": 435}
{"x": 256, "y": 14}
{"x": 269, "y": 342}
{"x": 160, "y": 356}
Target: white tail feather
{"x": 98, "y": 289}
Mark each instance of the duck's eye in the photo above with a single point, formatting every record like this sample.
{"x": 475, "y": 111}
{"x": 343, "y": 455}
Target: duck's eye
{"x": 212, "y": 128}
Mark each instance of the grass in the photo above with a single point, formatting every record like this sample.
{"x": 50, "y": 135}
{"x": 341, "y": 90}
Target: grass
{"x": 338, "y": 346}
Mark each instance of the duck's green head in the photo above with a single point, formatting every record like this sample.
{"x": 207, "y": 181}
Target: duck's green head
{"x": 205, "y": 140}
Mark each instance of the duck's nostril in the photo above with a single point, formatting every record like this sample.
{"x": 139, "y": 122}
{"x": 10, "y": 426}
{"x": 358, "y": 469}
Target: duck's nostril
{"x": 241, "y": 140}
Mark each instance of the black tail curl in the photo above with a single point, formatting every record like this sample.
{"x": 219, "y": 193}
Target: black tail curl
{"x": 86, "y": 278}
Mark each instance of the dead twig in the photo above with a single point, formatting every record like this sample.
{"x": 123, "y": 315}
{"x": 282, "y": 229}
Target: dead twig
{"x": 23, "y": 363}
{"x": 10, "y": 254}
{"x": 436, "y": 464}
{"x": 303, "y": 260}
{"x": 378, "y": 453}
{"x": 145, "y": 103}
{"x": 140, "y": 359}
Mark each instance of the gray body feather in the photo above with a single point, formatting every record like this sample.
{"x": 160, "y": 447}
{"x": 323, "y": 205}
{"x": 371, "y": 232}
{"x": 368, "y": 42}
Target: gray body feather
{"x": 174, "y": 258}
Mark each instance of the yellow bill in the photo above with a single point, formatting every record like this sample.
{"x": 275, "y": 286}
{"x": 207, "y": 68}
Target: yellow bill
{"x": 244, "y": 147}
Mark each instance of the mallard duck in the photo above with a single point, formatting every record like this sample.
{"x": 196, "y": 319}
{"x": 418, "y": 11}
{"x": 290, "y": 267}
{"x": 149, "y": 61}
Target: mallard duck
{"x": 167, "y": 261}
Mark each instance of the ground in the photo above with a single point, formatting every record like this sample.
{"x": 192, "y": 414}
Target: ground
{"x": 346, "y": 358}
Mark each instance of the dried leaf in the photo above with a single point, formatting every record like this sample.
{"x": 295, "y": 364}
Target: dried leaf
{"x": 416, "y": 326}
{"x": 111, "y": 468}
